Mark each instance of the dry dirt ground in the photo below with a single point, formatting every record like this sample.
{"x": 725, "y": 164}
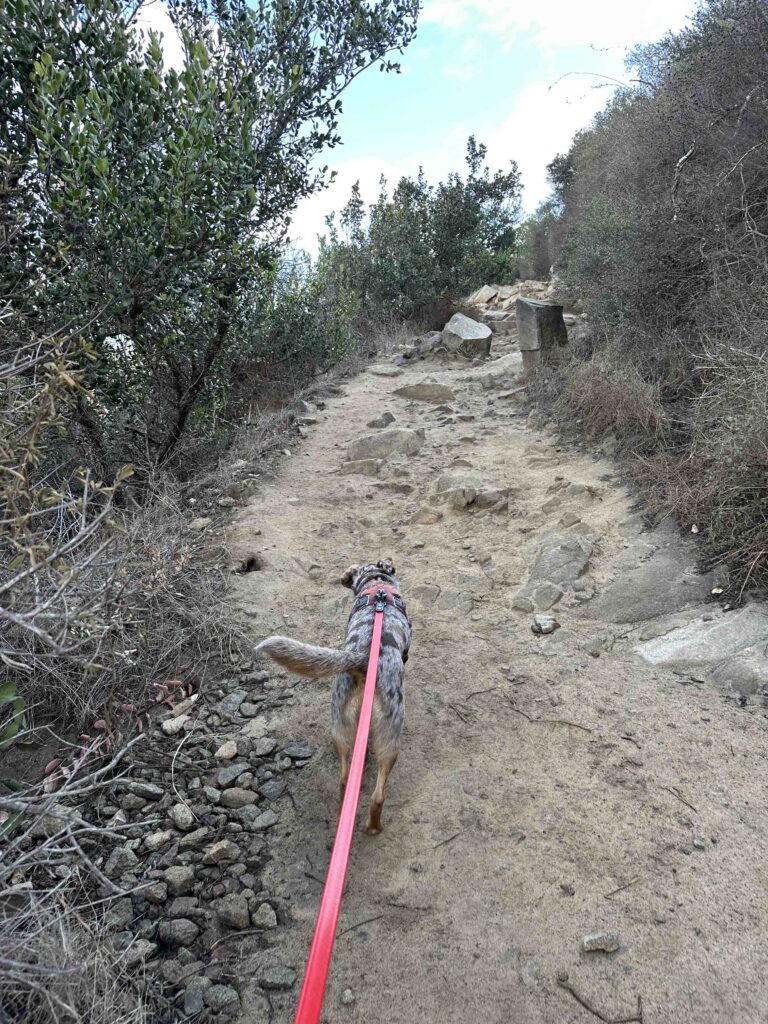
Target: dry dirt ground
{"x": 548, "y": 786}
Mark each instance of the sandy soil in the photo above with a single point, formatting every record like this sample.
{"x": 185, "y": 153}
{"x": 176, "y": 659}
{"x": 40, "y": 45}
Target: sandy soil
{"x": 542, "y": 793}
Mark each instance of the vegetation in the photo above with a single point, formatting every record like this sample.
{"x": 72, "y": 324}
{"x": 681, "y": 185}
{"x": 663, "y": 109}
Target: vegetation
{"x": 662, "y": 228}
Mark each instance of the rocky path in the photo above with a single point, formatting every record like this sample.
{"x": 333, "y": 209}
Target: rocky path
{"x": 551, "y": 785}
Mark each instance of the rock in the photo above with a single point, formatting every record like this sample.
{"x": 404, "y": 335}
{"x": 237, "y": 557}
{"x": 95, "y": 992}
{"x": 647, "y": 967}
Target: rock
{"x": 184, "y": 906}
{"x": 347, "y": 997}
{"x": 569, "y": 519}
{"x": 201, "y": 523}
{"x": 194, "y": 996}
{"x": 666, "y": 583}
{"x": 182, "y": 817}
{"x": 529, "y": 973}
{"x": 540, "y": 328}
{"x": 561, "y": 558}
{"x": 173, "y": 726}
{"x": 603, "y": 942}
{"x": 265, "y": 820}
{"x": 194, "y": 840}
{"x": 273, "y": 789}
{"x": 523, "y": 603}
{"x": 179, "y": 879}
{"x": 279, "y": 977}
{"x": 425, "y": 391}
{"x": 298, "y": 751}
{"x": 426, "y": 593}
{"x": 178, "y": 932}
{"x": 156, "y": 893}
{"x": 147, "y": 790}
{"x": 746, "y": 673}
{"x": 227, "y": 775}
{"x": 265, "y": 745}
{"x": 466, "y": 336}
{"x": 264, "y": 916}
{"x": 222, "y": 999}
{"x": 362, "y": 467}
{"x": 458, "y": 489}
{"x": 120, "y": 860}
{"x": 701, "y": 641}
{"x": 139, "y": 951}
{"x": 483, "y": 295}
{"x": 385, "y": 370}
{"x": 226, "y": 751}
{"x": 157, "y": 840}
{"x": 426, "y": 516}
{"x": 237, "y": 797}
{"x": 232, "y": 910}
{"x": 543, "y": 624}
{"x": 229, "y": 705}
{"x": 249, "y": 710}
{"x": 381, "y": 421}
{"x": 399, "y": 440}
{"x": 546, "y": 595}
{"x": 222, "y": 852}
{"x": 212, "y": 795}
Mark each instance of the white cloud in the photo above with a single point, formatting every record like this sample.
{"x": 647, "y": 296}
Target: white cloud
{"x": 557, "y": 23}
{"x": 153, "y": 16}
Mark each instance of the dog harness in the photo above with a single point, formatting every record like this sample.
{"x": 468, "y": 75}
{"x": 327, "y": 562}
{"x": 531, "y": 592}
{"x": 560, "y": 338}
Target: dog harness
{"x": 370, "y": 596}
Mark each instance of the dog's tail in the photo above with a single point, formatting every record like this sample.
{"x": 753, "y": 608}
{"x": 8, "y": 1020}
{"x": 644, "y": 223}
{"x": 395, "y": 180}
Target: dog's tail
{"x": 308, "y": 660}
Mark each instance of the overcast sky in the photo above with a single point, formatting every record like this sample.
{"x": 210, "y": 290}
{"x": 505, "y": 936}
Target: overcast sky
{"x": 521, "y": 77}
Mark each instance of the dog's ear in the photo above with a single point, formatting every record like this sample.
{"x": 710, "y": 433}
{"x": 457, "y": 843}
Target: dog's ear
{"x": 348, "y": 578}
{"x": 387, "y": 565}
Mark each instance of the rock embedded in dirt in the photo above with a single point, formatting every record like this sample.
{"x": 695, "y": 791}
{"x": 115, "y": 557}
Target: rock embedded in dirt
{"x": 147, "y": 790}
{"x": 229, "y": 705}
{"x": 182, "y": 817}
{"x": 156, "y": 893}
{"x": 523, "y": 603}
{"x": 426, "y": 391}
{"x": 120, "y": 860}
{"x": 347, "y": 997}
{"x": 298, "y": 751}
{"x": 399, "y": 440}
{"x": 184, "y": 906}
{"x": 139, "y": 951}
{"x": 385, "y": 370}
{"x": 194, "y": 840}
{"x": 273, "y": 789}
{"x": 173, "y": 726}
{"x": 227, "y": 775}
{"x": 201, "y": 523}
{"x": 561, "y": 559}
{"x": 600, "y": 942}
{"x": 180, "y": 878}
{"x": 227, "y": 751}
{"x": 157, "y": 840}
{"x": 362, "y": 467}
{"x": 277, "y": 978}
{"x": 178, "y": 932}
{"x": 426, "y": 517}
{"x": 746, "y": 673}
{"x": 466, "y": 336}
{"x": 222, "y": 852}
{"x": 264, "y": 916}
{"x": 232, "y": 910}
{"x": 708, "y": 641}
{"x": 544, "y": 624}
{"x": 237, "y": 797}
{"x": 380, "y": 422}
{"x": 265, "y": 745}
{"x": 222, "y": 999}
{"x": 546, "y": 595}
{"x": 265, "y": 820}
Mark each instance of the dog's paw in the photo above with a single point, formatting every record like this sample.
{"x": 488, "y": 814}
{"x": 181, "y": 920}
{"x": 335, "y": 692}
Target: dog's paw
{"x": 372, "y": 830}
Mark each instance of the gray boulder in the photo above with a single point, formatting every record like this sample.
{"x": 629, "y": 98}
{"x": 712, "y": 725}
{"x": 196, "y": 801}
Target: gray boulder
{"x": 711, "y": 641}
{"x": 562, "y": 558}
{"x": 467, "y": 337}
{"x": 426, "y": 391}
{"x": 379, "y": 446}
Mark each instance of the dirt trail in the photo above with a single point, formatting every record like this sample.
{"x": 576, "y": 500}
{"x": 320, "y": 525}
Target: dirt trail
{"x": 542, "y": 792}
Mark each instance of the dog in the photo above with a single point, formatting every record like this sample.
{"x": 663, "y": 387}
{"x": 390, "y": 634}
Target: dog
{"x": 350, "y": 665}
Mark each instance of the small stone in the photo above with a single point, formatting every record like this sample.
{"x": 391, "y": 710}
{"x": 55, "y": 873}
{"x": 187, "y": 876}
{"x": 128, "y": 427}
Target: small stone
{"x": 232, "y": 910}
{"x": 529, "y": 973}
{"x": 699, "y": 843}
{"x": 545, "y": 595}
{"x": 543, "y": 624}
{"x": 229, "y": 705}
{"x": 201, "y": 523}
{"x": 523, "y": 603}
{"x": 347, "y": 997}
{"x": 120, "y": 860}
{"x": 249, "y": 710}
{"x": 273, "y": 789}
{"x": 264, "y": 916}
{"x": 265, "y": 745}
{"x": 279, "y": 977}
{"x": 179, "y": 932}
{"x": 179, "y": 879}
{"x": 298, "y": 751}
{"x": 381, "y": 421}
{"x": 212, "y": 795}
{"x": 155, "y": 893}
{"x": 226, "y": 502}
{"x": 156, "y": 840}
{"x": 265, "y": 820}
{"x": 139, "y": 951}
{"x": 131, "y": 802}
{"x": 219, "y": 853}
{"x": 194, "y": 840}
{"x": 237, "y": 797}
{"x": 172, "y": 726}
{"x": 146, "y": 789}
{"x": 227, "y": 775}
{"x": 226, "y": 751}
{"x": 183, "y": 906}
{"x": 569, "y": 519}
{"x": 601, "y": 942}
{"x": 222, "y": 998}
{"x": 194, "y": 996}
{"x": 182, "y": 817}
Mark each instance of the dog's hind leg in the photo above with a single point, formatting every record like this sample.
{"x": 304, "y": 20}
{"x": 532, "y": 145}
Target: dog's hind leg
{"x": 373, "y": 824}
{"x": 345, "y": 709}
{"x": 344, "y": 753}
{"x": 385, "y": 736}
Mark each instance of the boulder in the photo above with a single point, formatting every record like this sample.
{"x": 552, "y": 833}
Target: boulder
{"x": 483, "y": 295}
{"x": 425, "y": 391}
{"x": 362, "y": 467}
{"x": 708, "y": 641}
{"x": 562, "y": 558}
{"x": 387, "y": 442}
{"x": 746, "y": 673}
{"x": 380, "y": 422}
{"x": 467, "y": 337}
{"x": 385, "y": 370}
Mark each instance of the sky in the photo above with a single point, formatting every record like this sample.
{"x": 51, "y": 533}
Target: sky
{"x": 522, "y": 77}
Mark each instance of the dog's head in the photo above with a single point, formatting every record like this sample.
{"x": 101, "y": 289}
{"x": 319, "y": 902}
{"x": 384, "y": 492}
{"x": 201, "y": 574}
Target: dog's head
{"x": 357, "y": 576}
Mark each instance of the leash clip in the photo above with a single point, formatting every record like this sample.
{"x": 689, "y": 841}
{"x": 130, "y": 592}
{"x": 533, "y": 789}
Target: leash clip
{"x": 381, "y": 600}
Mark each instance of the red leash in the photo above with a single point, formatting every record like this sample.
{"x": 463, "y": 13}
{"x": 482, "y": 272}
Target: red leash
{"x": 316, "y": 974}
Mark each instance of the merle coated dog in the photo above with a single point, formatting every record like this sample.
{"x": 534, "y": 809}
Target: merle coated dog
{"x": 349, "y": 666}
